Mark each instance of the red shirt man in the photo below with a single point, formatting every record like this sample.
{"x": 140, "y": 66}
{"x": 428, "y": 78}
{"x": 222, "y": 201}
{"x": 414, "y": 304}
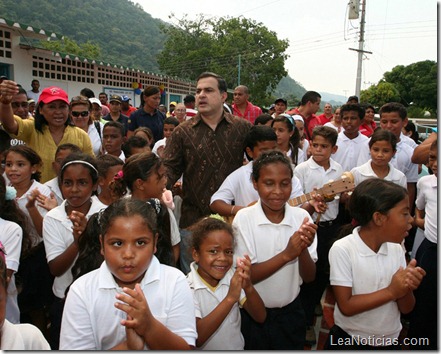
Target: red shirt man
{"x": 242, "y": 107}
{"x": 309, "y": 105}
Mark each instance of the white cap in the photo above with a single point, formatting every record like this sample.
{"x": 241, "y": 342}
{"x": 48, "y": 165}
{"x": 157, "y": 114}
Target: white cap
{"x": 298, "y": 117}
{"x": 95, "y": 100}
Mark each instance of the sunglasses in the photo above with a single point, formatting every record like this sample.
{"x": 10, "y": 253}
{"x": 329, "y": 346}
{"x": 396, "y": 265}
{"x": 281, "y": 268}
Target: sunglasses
{"x": 82, "y": 114}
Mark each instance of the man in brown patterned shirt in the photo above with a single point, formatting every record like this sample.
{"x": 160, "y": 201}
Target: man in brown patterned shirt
{"x": 205, "y": 149}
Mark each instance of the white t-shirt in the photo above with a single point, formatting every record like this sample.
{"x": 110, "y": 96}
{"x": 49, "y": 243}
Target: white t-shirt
{"x": 348, "y": 150}
{"x": 57, "y": 237}
{"x": 355, "y": 265}
{"x": 365, "y": 171}
{"x": 261, "y": 240}
{"x": 22, "y": 337}
{"x": 22, "y": 201}
{"x": 95, "y": 137}
{"x": 206, "y": 299}
{"x": 52, "y": 184}
{"x": 11, "y": 236}
{"x": 401, "y": 160}
{"x": 92, "y": 322}
{"x": 238, "y": 187}
{"x": 427, "y": 200}
{"x": 312, "y": 175}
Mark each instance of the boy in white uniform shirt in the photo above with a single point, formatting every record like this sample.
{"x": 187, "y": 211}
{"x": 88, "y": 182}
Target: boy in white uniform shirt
{"x": 314, "y": 173}
{"x": 238, "y": 186}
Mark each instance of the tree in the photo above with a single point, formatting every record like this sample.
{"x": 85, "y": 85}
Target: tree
{"x": 416, "y": 83}
{"x": 69, "y": 46}
{"x": 377, "y": 95}
{"x": 217, "y": 45}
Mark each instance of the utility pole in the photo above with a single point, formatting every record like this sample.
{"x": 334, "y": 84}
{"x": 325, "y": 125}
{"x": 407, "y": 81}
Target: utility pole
{"x": 360, "y": 49}
{"x": 238, "y": 73}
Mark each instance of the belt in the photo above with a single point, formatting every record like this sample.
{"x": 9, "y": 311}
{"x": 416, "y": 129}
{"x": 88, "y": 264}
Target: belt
{"x": 326, "y": 223}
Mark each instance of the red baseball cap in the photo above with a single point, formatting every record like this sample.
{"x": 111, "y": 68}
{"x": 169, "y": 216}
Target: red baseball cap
{"x": 53, "y": 93}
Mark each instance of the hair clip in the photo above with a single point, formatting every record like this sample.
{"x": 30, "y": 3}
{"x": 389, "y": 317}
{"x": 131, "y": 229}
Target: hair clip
{"x": 118, "y": 175}
{"x": 100, "y": 217}
{"x": 11, "y": 193}
{"x": 156, "y": 204}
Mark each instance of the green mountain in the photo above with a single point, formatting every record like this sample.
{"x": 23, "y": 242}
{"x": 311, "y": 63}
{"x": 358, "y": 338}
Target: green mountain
{"x": 125, "y": 33}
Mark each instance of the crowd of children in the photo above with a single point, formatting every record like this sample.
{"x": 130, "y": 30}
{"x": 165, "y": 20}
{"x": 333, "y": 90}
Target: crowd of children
{"x": 90, "y": 259}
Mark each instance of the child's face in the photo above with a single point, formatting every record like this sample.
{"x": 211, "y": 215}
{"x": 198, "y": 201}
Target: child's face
{"x": 215, "y": 256}
{"x": 260, "y": 147}
{"x": 398, "y": 222}
{"x": 274, "y": 186}
{"x": 381, "y": 153}
{"x": 18, "y": 169}
{"x": 433, "y": 161}
{"x": 111, "y": 172}
{"x": 61, "y": 155}
{"x": 321, "y": 150}
{"x": 77, "y": 187}
{"x": 154, "y": 185}
{"x": 301, "y": 127}
{"x": 350, "y": 122}
{"x": 128, "y": 248}
{"x": 283, "y": 134}
{"x": 112, "y": 140}
{"x": 168, "y": 130}
{"x": 392, "y": 121}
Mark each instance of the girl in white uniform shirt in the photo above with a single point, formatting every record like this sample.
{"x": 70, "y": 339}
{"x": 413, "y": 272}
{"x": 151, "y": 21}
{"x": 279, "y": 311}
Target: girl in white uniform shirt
{"x": 382, "y": 146}
{"x": 132, "y": 302}
{"x": 371, "y": 282}
{"x": 280, "y": 241}
{"x": 63, "y": 225}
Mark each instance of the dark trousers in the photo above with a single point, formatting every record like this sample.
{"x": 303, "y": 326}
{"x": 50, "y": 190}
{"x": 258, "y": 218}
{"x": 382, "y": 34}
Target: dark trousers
{"x": 423, "y": 318}
{"x": 283, "y": 329}
{"x": 312, "y": 292}
{"x": 56, "y": 316}
{"x": 339, "y": 339}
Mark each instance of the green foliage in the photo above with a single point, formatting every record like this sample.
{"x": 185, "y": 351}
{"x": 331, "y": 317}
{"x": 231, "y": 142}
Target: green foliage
{"x": 116, "y": 31}
{"x": 413, "y": 85}
{"x": 67, "y": 45}
{"x": 215, "y": 45}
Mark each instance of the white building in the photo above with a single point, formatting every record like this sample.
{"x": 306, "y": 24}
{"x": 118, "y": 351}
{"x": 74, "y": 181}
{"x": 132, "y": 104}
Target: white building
{"x": 22, "y": 62}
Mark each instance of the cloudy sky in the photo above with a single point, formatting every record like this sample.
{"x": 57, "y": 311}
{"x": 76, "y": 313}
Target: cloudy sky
{"x": 398, "y": 32}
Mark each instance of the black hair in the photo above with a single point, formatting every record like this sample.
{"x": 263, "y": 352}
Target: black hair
{"x": 355, "y": 107}
{"x": 127, "y": 207}
{"x": 150, "y": 91}
{"x": 310, "y": 96}
{"x": 104, "y": 162}
{"x": 189, "y": 98}
{"x": 133, "y": 142}
{"x": 267, "y": 158}
{"x": 116, "y": 125}
{"x": 87, "y": 92}
{"x": 89, "y": 249}
{"x": 10, "y": 211}
{"x": 374, "y": 195}
{"x": 394, "y": 107}
{"x": 221, "y": 83}
{"x": 22, "y": 91}
{"x": 102, "y": 93}
{"x": 368, "y": 105}
{"x": 259, "y": 133}
{"x": 147, "y": 132}
{"x": 141, "y": 166}
{"x": 294, "y": 140}
{"x": 40, "y": 121}
{"x": 201, "y": 229}
{"x": 383, "y": 135}
{"x": 328, "y": 133}
{"x": 171, "y": 120}
{"x": 410, "y": 127}
{"x": 29, "y": 154}
{"x": 263, "y": 119}
{"x": 93, "y": 171}
{"x": 68, "y": 146}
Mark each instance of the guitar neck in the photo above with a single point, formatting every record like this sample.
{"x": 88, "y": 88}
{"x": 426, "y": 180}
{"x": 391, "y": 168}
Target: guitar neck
{"x": 300, "y": 200}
